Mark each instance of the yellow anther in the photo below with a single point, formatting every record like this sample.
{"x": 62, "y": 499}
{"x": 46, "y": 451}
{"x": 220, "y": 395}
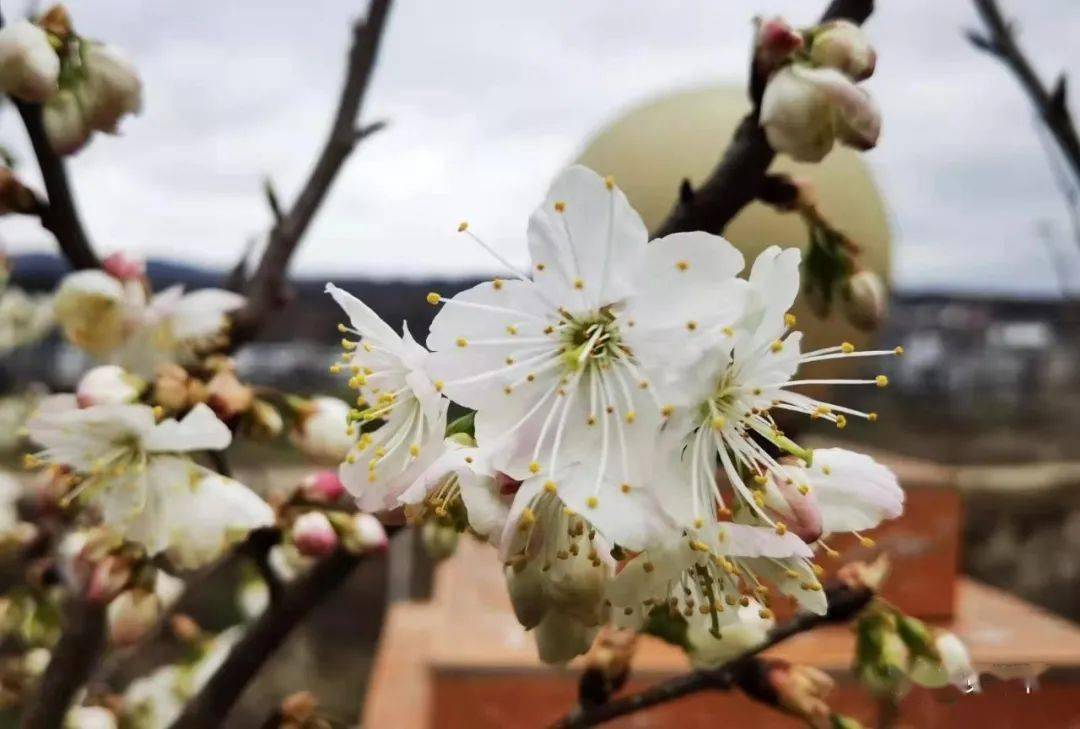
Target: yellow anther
{"x": 760, "y": 479}
{"x": 511, "y": 329}
{"x": 744, "y": 601}
{"x": 592, "y": 502}
{"x": 866, "y": 541}
{"x": 841, "y": 422}
{"x": 528, "y": 516}
{"x": 509, "y": 361}
{"x": 335, "y": 369}
{"x": 648, "y": 566}
{"x": 507, "y": 389}
{"x": 698, "y": 523}
{"x": 560, "y": 206}
{"x": 789, "y": 320}
{"x": 728, "y": 331}
{"x": 609, "y": 182}
{"x": 579, "y": 284}
{"x": 468, "y": 459}
{"x": 718, "y": 422}
{"x": 776, "y": 346}
{"x": 667, "y": 411}
{"x": 625, "y": 488}
{"x": 591, "y": 420}
{"x": 872, "y": 417}
{"x": 463, "y": 226}
{"x": 682, "y": 265}
{"x": 439, "y": 385}
{"x": 691, "y": 325}
{"x": 631, "y": 416}
{"x": 847, "y": 347}
{"x": 791, "y": 574}
{"x": 433, "y": 298}
{"x": 699, "y": 546}
{"x": 497, "y": 284}
{"x": 826, "y": 470}
{"x": 540, "y": 267}
{"x": 765, "y": 614}
{"x": 159, "y": 412}
{"x": 781, "y": 528}
{"x": 414, "y": 450}
{"x": 551, "y": 487}
{"x": 534, "y": 467}
{"x": 462, "y": 342}
{"x": 350, "y": 459}
{"x": 803, "y": 489}
{"x": 30, "y": 461}
{"x": 342, "y": 328}
{"x": 818, "y": 569}
{"x": 881, "y": 381}
{"x": 898, "y": 351}
{"x": 347, "y": 345}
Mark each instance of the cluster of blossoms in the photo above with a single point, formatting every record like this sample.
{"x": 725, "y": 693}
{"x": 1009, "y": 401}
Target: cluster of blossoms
{"x": 84, "y": 86}
{"x": 623, "y": 454}
{"x": 811, "y": 98}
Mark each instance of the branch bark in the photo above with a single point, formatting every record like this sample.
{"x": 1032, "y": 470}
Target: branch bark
{"x": 737, "y": 178}
{"x": 265, "y": 290}
{"x": 844, "y": 603}
{"x": 1051, "y": 104}
{"x": 73, "y": 659}
{"x": 210, "y": 707}
{"x": 60, "y": 215}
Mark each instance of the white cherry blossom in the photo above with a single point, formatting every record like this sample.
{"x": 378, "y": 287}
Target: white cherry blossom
{"x": 130, "y": 467}
{"x": 397, "y": 396}
{"x": 569, "y": 367}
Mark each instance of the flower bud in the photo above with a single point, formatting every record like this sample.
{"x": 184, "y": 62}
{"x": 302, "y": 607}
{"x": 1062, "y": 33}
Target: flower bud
{"x": 881, "y": 656}
{"x": 227, "y": 396}
{"x": 839, "y": 721}
{"x": 790, "y": 497}
{"x": 65, "y": 126}
{"x": 321, "y": 429}
{"x": 323, "y": 487}
{"x": 123, "y": 267}
{"x": 866, "y": 303}
{"x": 526, "y": 590}
{"x": 112, "y": 88}
{"x": 108, "y": 385}
{"x": 108, "y": 578}
{"x": 842, "y": 45}
{"x": 15, "y": 197}
{"x": 805, "y": 110}
{"x": 948, "y": 663}
{"x": 132, "y": 615}
{"x": 800, "y": 690}
{"x": 299, "y": 707}
{"x": 57, "y": 20}
{"x": 29, "y": 66}
{"x": 364, "y": 533}
{"x": 862, "y": 575}
{"x": 774, "y": 43}
{"x": 90, "y": 717}
{"x": 440, "y": 541}
{"x": 314, "y": 535}
{"x": 172, "y": 387}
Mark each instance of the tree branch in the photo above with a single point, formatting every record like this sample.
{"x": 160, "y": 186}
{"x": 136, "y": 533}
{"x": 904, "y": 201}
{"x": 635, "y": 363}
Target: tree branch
{"x": 737, "y": 179}
{"x": 265, "y": 289}
{"x": 1051, "y": 104}
{"x": 59, "y": 215}
{"x": 210, "y": 707}
{"x": 745, "y": 671}
{"x": 73, "y": 659}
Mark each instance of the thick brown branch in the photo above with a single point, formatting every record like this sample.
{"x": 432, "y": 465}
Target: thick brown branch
{"x": 265, "y": 289}
{"x": 844, "y": 603}
{"x": 211, "y": 705}
{"x": 1051, "y": 104}
{"x": 73, "y": 659}
{"x": 737, "y": 179}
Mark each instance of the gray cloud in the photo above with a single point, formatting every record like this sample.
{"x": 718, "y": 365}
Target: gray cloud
{"x": 488, "y": 99}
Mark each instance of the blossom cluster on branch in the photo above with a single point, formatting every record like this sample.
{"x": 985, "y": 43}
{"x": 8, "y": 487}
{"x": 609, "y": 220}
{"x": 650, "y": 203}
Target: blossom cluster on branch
{"x": 622, "y": 453}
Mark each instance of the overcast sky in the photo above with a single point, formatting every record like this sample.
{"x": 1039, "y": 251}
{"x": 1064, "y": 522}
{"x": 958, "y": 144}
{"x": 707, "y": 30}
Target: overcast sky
{"x": 488, "y": 99}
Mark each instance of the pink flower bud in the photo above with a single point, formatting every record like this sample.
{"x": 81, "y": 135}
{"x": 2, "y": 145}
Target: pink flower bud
{"x": 774, "y": 43}
{"x": 323, "y": 487}
{"x": 124, "y": 267}
{"x": 314, "y": 535}
{"x": 108, "y": 578}
{"x": 800, "y": 690}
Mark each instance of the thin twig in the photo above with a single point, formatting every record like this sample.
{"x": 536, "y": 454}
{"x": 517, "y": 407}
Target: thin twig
{"x": 844, "y": 603}
{"x": 210, "y": 707}
{"x": 736, "y": 180}
{"x": 73, "y": 659}
{"x": 999, "y": 40}
{"x": 59, "y": 214}
{"x": 265, "y": 290}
